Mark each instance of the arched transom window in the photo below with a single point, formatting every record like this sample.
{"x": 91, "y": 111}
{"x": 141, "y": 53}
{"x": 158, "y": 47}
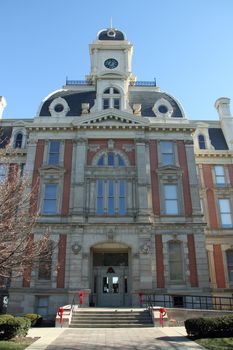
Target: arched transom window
{"x": 111, "y": 159}
{"x": 111, "y": 98}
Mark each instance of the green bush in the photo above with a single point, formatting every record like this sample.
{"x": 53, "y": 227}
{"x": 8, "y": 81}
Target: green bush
{"x": 210, "y": 327}
{"x": 35, "y": 319}
{"x": 11, "y": 326}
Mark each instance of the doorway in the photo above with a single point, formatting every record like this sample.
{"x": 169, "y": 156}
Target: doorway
{"x": 111, "y": 283}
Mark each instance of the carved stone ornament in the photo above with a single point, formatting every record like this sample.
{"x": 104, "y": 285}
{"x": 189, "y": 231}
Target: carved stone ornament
{"x": 137, "y": 109}
{"x": 76, "y": 247}
{"x": 145, "y": 249}
{"x": 85, "y": 108}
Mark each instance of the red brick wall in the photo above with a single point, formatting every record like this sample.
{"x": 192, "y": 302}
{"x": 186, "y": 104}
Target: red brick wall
{"x": 219, "y": 266}
{"x": 208, "y": 181}
{"x": 118, "y": 144}
{"x": 67, "y": 177}
{"x": 61, "y": 262}
{"x": 154, "y": 176}
{"x": 192, "y": 261}
{"x": 36, "y": 178}
{"x": 185, "y": 178}
{"x": 159, "y": 261}
{"x": 27, "y": 271}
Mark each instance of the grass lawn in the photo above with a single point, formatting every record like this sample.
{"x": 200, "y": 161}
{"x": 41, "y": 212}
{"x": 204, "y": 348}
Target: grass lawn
{"x": 16, "y": 344}
{"x": 216, "y": 343}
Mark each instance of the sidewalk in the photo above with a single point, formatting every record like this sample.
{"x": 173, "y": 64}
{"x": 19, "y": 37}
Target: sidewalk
{"x": 168, "y": 338}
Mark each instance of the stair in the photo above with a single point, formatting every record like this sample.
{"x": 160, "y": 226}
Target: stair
{"x": 111, "y": 318}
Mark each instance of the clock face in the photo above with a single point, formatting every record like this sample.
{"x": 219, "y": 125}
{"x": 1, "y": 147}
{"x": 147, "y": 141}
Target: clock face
{"x": 111, "y": 63}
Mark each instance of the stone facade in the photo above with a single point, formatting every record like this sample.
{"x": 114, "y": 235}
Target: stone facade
{"x": 116, "y": 162}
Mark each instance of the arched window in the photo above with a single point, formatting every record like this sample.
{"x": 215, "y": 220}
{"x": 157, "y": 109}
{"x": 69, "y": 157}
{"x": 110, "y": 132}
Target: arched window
{"x": 175, "y": 254}
{"x": 111, "y": 98}
{"x": 18, "y": 140}
{"x": 229, "y": 256}
{"x": 112, "y": 186}
{"x": 111, "y": 159}
{"x": 201, "y": 141}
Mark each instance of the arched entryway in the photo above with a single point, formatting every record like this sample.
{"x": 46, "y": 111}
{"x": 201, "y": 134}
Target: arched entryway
{"x": 110, "y": 275}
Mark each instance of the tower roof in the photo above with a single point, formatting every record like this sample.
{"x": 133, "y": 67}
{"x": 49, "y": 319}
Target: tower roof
{"x": 111, "y": 34}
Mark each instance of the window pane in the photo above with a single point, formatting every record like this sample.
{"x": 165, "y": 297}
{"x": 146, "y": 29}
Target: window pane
{"x": 50, "y": 199}
{"x": 105, "y": 103}
{"x": 224, "y": 205}
{"x": 122, "y": 206}
{"x": 170, "y": 192}
{"x": 201, "y": 141}
{"x": 18, "y": 140}
{"x": 101, "y": 160}
{"x": 219, "y": 175}
{"x": 175, "y": 261}
{"x": 229, "y": 254}
{"x": 110, "y": 197}
{"x": 122, "y": 188}
{"x": 226, "y": 220}
{"x": 167, "y": 153}
{"x": 116, "y": 103}
{"x": 121, "y": 161}
{"x": 171, "y": 207}
{"x": 100, "y": 197}
{"x": 110, "y": 158}
{"x": 54, "y": 150}
{"x": 100, "y": 187}
{"x": 3, "y": 170}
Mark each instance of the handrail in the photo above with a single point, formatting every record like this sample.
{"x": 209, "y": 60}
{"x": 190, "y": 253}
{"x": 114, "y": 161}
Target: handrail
{"x": 206, "y": 302}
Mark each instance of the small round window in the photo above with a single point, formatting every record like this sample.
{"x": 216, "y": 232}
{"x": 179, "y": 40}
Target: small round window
{"x": 59, "y": 108}
{"x": 163, "y": 109}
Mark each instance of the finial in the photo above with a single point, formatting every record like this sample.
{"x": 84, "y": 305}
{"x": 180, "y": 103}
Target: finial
{"x": 111, "y": 22}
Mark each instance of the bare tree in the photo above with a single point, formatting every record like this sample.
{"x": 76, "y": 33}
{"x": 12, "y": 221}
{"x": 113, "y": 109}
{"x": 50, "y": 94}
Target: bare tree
{"x": 18, "y": 248}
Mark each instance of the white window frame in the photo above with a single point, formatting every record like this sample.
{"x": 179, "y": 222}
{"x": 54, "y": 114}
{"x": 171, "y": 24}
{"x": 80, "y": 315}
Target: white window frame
{"x": 219, "y": 174}
{"x": 170, "y": 199}
{"x": 111, "y": 96}
{"x": 105, "y": 197}
{"x": 52, "y": 199}
{"x": 51, "y": 153}
{"x": 225, "y": 213}
{"x": 162, "y": 153}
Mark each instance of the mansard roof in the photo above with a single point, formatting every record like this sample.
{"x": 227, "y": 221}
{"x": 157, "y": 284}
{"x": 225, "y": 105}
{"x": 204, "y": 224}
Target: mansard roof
{"x": 217, "y": 139}
{"x": 74, "y": 99}
{"x": 111, "y": 34}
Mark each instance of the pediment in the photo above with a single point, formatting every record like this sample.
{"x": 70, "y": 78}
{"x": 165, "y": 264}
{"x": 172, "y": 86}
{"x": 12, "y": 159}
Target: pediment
{"x": 51, "y": 168}
{"x": 169, "y": 168}
{"x": 110, "y": 117}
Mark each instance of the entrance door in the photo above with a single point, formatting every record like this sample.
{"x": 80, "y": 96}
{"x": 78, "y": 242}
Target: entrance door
{"x": 110, "y": 286}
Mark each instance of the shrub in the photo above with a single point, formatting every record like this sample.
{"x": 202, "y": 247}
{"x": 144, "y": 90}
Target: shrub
{"x": 11, "y": 326}
{"x": 35, "y": 319}
{"x": 209, "y": 327}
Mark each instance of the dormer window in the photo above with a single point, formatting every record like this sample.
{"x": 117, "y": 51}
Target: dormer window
{"x": 201, "y": 141}
{"x": 18, "y": 140}
{"x": 111, "y": 98}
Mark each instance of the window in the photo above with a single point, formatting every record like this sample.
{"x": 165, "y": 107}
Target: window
{"x": 50, "y": 199}
{"x": 175, "y": 254}
{"x": 167, "y": 152}
{"x": 219, "y": 175}
{"x": 229, "y": 256}
{"x": 201, "y": 141}
{"x": 111, "y": 98}
{"x": 18, "y": 140}
{"x": 225, "y": 212}
{"x": 45, "y": 263}
{"x": 171, "y": 200}
{"x": 54, "y": 150}
{"x": 42, "y": 305}
{"x": 3, "y": 171}
{"x": 111, "y": 159}
{"x": 111, "y": 197}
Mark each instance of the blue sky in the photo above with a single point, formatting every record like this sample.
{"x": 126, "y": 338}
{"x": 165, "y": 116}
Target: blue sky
{"x": 187, "y": 45}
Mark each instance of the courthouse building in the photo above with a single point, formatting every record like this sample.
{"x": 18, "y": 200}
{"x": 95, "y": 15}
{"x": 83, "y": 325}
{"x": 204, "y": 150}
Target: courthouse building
{"x": 136, "y": 196}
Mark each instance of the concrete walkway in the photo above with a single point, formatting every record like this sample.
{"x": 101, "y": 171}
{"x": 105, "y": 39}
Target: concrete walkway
{"x": 168, "y": 338}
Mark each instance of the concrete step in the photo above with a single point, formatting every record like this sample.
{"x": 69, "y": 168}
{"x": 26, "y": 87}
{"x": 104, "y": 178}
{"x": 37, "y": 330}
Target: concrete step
{"x": 111, "y": 318}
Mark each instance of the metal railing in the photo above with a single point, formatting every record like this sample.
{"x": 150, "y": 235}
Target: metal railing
{"x": 206, "y": 302}
{"x": 89, "y": 82}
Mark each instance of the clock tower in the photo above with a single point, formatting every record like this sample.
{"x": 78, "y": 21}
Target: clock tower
{"x": 111, "y": 69}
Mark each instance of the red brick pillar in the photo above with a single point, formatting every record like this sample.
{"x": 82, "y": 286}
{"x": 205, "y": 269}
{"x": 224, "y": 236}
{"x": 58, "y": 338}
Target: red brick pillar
{"x": 154, "y": 176}
{"x": 192, "y": 261}
{"x": 67, "y": 177}
{"x": 185, "y": 177}
{"x": 208, "y": 181}
{"x": 36, "y": 179}
{"x": 28, "y": 269}
{"x": 61, "y": 262}
{"x": 219, "y": 266}
{"x": 230, "y": 170}
{"x": 159, "y": 261}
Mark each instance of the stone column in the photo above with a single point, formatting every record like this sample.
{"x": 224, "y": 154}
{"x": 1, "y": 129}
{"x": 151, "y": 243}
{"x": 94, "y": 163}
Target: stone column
{"x": 78, "y": 183}
{"x": 142, "y": 181}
